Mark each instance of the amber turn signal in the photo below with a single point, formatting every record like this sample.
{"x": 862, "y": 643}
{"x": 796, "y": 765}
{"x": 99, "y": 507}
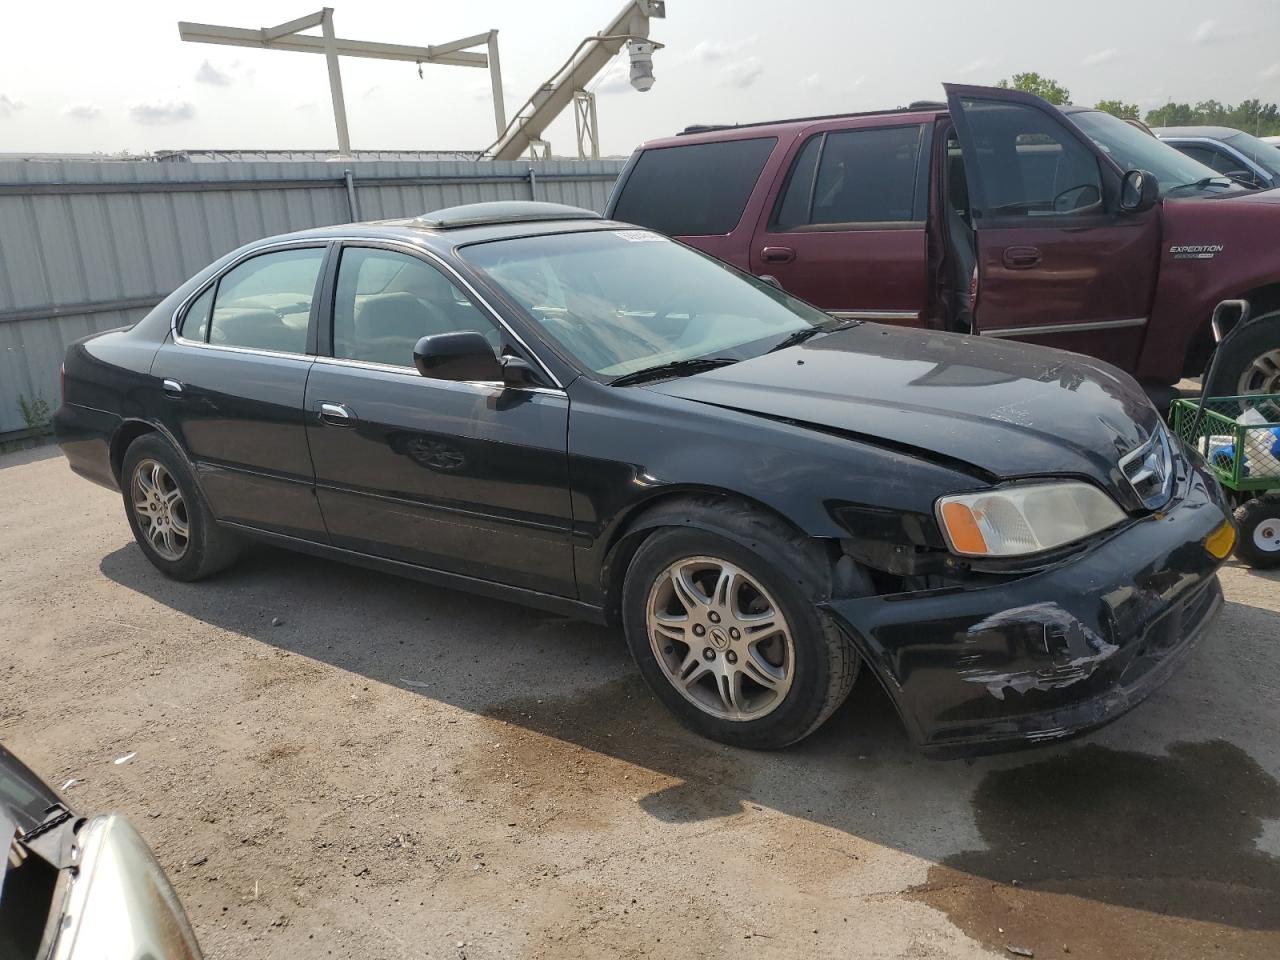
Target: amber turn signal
{"x": 1220, "y": 542}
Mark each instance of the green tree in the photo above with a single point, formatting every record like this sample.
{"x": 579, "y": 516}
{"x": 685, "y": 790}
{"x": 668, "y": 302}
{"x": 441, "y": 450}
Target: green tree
{"x": 1043, "y": 87}
{"x": 1125, "y": 111}
{"x": 1252, "y": 116}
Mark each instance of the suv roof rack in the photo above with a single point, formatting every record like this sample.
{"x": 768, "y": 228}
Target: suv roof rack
{"x": 501, "y": 211}
{"x": 914, "y": 107}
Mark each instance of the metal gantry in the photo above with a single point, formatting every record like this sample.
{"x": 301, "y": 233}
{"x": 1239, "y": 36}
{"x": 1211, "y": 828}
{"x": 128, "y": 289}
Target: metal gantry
{"x": 289, "y": 36}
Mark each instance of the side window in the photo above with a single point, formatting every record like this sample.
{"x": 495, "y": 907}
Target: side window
{"x": 697, "y": 190}
{"x": 195, "y": 325}
{"x": 863, "y": 176}
{"x": 1028, "y": 164}
{"x": 265, "y": 303}
{"x": 386, "y": 301}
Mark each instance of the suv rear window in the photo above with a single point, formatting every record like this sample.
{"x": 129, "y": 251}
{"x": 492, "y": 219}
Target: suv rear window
{"x": 862, "y": 176}
{"x": 696, "y": 190}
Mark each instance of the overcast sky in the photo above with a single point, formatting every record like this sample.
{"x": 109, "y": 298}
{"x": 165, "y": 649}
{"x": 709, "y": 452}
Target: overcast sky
{"x": 93, "y": 76}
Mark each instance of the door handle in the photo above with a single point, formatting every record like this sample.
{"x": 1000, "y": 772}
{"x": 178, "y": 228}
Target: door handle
{"x": 336, "y": 414}
{"x": 172, "y": 389}
{"x": 1021, "y": 258}
{"x": 777, "y": 254}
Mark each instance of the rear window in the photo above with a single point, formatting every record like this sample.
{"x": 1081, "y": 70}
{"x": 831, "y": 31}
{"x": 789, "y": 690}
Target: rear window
{"x": 696, "y": 190}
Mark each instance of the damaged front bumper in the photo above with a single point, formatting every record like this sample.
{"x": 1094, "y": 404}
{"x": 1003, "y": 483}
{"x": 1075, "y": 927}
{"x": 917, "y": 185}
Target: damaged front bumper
{"x": 1055, "y": 653}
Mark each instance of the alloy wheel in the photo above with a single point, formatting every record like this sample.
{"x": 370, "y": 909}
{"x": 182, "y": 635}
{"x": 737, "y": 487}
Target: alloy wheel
{"x": 160, "y": 509}
{"x": 720, "y": 639}
{"x": 1261, "y": 376}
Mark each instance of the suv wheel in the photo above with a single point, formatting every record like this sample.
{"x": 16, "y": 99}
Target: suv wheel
{"x": 168, "y": 514}
{"x": 1249, "y": 362}
{"x": 737, "y": 650}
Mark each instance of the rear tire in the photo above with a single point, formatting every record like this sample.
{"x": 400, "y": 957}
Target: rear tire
{"x": 1258, "y": 541}
{"x": 168, "y": 513}
{"x": 688, "y": 589}
{"x": 1248, "y": 362}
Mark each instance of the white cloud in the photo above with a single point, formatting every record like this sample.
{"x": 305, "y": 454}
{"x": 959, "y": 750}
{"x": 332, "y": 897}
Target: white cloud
{"x": 973, "y": 66}
{"x": 208, "y": 73}
{"x": 1269, "y": 73}
{"x": 710, "y": 51}
{"x": 812, "y": 82}
{"x": 742, "y": 73}
{"x": 1099, "y": 56}
{"x": 10, "y": 105}
{"x": 1207, "y": 32}
{"x": 162, "y": 112}
{"x": 82, "y": 111}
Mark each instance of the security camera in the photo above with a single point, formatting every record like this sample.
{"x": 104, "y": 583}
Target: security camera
{"x": 641, "y": 64}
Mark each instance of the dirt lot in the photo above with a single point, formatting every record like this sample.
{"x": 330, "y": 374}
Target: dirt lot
{"x": 337, "y": 763}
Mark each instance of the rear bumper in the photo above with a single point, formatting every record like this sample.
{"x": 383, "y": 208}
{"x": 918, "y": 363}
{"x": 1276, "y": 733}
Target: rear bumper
{"x": 84, "y": 434}
{"x": 1056, "y": 653}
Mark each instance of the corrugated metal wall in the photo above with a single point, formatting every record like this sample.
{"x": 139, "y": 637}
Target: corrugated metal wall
{"x": 90, "y": 246}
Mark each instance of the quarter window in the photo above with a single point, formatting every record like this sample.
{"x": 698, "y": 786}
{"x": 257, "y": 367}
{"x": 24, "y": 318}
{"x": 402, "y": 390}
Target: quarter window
{"x": 1028, "y": 164}
{"x": 195, "y": 325}
{"x": 386, "y": 301}
{"x": 265, "y": 303}
{"x": 695, "y": 190}
{"x": 853, "y": 176}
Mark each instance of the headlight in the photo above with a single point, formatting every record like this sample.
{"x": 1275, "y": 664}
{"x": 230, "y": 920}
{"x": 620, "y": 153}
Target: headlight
{"x": 1023, "y": 519}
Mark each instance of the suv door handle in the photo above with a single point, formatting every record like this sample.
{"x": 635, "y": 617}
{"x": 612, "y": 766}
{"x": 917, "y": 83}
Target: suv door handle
{"x": 336, "y": 414}
{"x": 777, "y": 254}
{"x": 1021, "y": 258}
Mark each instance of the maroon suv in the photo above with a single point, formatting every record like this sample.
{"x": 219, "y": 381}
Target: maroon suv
{"x": 995, "y": 213}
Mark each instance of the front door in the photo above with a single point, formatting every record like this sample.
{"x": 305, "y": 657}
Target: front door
{"x": 847, "y": 232}
{"x": 234, "y": 378}
{"x": 1058, "y": 263}
{"x": 469, "y": 478}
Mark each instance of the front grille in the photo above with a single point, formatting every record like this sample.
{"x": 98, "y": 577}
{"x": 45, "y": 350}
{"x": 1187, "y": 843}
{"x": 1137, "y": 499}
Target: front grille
{"x": 1149, "y": 469}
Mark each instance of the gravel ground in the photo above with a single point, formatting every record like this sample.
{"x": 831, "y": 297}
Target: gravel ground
{"x": 336, "y": 763}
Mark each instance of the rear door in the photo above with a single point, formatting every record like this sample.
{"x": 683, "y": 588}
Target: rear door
{"x": 1058, "y": 264}
{"x": 847, "y": 231}
{"x": 234, "y": 374}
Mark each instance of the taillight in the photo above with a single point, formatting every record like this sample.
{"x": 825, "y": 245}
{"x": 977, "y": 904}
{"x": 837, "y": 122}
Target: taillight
{"x": 973, "y": 289}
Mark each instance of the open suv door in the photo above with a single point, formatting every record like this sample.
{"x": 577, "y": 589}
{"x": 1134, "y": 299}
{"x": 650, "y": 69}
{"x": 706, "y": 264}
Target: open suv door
{"x": 1039, "y": 214}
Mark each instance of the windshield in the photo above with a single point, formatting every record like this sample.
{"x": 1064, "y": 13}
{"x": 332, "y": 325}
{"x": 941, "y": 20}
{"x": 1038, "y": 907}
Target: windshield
{"x": 627, "y": 300}
{"x": 1259, "y": 151}
{"x": 1133, "y": 149}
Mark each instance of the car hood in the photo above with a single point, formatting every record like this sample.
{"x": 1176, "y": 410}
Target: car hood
{"x": 997, "y": 408}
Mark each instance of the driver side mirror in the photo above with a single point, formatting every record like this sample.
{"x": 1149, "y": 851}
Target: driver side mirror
{"x": 466, "y": 355}
{"x": 1139, "y": 190}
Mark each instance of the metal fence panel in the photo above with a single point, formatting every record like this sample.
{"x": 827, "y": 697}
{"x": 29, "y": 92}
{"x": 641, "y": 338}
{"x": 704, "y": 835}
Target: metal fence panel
{"x": 88, "y": 246}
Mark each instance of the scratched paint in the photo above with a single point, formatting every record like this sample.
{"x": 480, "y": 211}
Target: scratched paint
{"x": 1085, "y": 651}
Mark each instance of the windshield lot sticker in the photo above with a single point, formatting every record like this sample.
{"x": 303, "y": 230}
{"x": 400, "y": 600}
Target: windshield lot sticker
{"x": 640, "y": 236}
{"x": 1195, "y": 251}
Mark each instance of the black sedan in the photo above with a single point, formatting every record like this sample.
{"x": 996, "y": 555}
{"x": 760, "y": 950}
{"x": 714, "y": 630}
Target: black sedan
{"x": 529, "y": 402}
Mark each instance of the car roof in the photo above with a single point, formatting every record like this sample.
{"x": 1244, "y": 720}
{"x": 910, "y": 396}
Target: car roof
{"x": 445, "y": 229}
{"x": 919, "y": 112}
{"x": 1212, "y": 133}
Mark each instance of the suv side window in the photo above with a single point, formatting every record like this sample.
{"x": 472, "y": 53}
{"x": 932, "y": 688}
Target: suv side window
{"x": 853, "y": 176}
{"x": 698, "y": 190}
{"x": 386, "y": 301}
{"x": 1028, "y": 164}
{"x": 265, "y": 303}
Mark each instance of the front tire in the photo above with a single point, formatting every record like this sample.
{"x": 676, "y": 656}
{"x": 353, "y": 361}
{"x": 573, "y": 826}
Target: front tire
{"x": 1258, "y": 541}
{"x": 734, "y": 647}
{"x": 168, "y": 514}
{"x": 1248, "y": 362}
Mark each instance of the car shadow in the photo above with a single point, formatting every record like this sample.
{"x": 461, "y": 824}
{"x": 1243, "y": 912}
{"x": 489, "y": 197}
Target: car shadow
{"x": 1172, "y": 833}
